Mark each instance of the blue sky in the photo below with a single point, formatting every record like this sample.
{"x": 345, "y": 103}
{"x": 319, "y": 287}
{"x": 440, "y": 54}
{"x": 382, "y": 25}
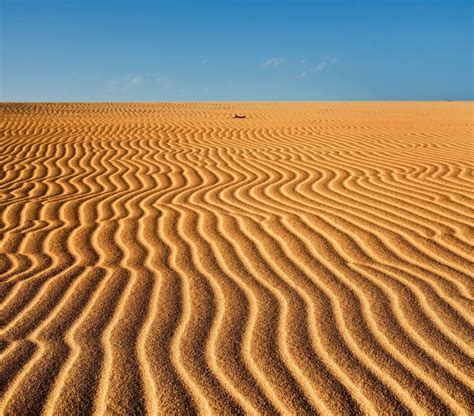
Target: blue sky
{"x": 140, "y": 50}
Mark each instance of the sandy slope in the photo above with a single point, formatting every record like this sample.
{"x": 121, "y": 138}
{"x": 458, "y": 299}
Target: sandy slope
{"x": 168, "y": 259}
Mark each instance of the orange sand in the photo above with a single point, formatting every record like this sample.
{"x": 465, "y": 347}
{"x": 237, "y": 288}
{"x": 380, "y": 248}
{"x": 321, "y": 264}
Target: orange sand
{"x": 169, "y": 259}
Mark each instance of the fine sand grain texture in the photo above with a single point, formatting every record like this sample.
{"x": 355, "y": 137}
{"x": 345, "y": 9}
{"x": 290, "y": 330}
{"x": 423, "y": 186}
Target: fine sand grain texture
{"x": 311, "y": 258}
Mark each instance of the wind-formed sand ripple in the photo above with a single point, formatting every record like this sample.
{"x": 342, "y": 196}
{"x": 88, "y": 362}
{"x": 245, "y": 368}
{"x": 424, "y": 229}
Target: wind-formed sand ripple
{"x": 312, "y": 258}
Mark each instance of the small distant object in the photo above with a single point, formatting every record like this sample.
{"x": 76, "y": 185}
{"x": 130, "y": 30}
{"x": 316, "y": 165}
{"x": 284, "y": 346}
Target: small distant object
{"x": 239, "y": 116}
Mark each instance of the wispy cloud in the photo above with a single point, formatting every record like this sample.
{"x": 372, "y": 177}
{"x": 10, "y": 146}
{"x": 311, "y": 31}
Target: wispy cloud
{"x": 320, "y": 67}
{"x": 131, "y": 82}
{"x": 317, "y": 68}
{"x": 164, "y": 83}
{"x": 324, "y": 64}
{"x": 125, "y": 83}
{"x": 272, "y": 62}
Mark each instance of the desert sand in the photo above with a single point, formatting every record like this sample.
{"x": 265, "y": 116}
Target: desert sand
{"x": 311, "y": 258}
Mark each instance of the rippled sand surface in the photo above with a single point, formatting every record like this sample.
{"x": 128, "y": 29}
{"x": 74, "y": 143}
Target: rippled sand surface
{"x": 170, "y": 259}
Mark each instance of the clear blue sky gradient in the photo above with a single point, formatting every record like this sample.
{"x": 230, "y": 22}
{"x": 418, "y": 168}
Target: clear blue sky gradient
{"x": 138, "y": 50}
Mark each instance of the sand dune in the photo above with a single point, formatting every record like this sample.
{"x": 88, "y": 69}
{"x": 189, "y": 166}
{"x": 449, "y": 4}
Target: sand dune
{"x": 312, "y": 258}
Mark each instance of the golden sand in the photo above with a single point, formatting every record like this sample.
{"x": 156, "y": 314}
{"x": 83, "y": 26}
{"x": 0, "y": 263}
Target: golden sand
{"x": 170, "y": 259}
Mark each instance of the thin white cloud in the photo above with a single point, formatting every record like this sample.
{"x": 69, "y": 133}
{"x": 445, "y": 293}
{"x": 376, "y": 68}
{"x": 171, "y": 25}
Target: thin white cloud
{"x": 272, "y": 62}
{"x": 164, "y": 83}
{"x": 329, "y": 60}
{"x": 320, "y": 67}
{"x": 124, "y": 84}
{"x": 136, "y": 80}
{"x": 130, "y": 82}
{"x": 317, "y": 68}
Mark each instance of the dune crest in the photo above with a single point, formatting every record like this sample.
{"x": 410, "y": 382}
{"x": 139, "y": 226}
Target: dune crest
{"x": 303, "y": 258}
